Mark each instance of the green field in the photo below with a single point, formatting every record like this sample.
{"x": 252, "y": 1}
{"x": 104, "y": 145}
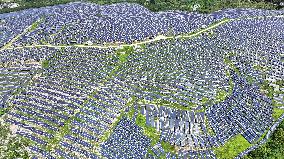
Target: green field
{"x": 232, "y": 148}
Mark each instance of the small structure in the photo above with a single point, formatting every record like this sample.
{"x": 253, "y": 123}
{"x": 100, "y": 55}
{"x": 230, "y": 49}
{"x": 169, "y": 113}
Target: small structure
{"x": 89, "y": 42}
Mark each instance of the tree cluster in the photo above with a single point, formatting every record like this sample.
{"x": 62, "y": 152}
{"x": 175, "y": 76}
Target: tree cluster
{"x": 273, "y": 148}
{"x": 203, "y": 6}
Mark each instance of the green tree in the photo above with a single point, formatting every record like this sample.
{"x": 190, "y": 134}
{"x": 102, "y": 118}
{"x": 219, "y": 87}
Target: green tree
{"x": 274, "y": 148}
{"x": 152, "y": 2}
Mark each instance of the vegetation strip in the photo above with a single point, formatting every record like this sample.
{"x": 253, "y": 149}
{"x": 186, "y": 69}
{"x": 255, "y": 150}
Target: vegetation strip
{"x": 202, "y": 6}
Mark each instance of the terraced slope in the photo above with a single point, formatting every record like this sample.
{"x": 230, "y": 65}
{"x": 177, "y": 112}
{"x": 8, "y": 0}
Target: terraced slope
{"x": 165, "y": 85}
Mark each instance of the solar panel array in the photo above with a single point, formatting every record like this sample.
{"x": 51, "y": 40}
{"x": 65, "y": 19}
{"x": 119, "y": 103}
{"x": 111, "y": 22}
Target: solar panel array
{"x": 67, "y": 108}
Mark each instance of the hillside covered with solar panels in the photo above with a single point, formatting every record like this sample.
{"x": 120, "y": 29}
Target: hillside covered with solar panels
{"x": 82, "y": 80}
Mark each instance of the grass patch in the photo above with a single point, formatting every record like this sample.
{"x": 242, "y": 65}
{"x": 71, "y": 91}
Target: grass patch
{"x": 168, "y": 147}
{"x": 149, "y": 151}
{"x": 262, "y": 136}
{"x": 163, "y": 156}
{"x": 172, "y": 105}
{"x": 143, "y": 47}
{"x": 45, "y": 64}
{"x": 36, "y": 24}
{"x": 259, "y": 68}
{"x": 149, "y": 131}
{"x": 42, "y": 41}
{"x": 204, "y": 100}
{"x": 208, "y": 127}
{"x": 78, "y": 119}
{"x": 64, "y": 130}
{"x": 131, "y": 112}
{"x": 124, "y": 52}
{"x": 221, "y": 95}
{"x": 3, "y": 111}
{"x": 122, "y": 55}
{"x": 232, "y": 148}
{"x": 277, "y": 112}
